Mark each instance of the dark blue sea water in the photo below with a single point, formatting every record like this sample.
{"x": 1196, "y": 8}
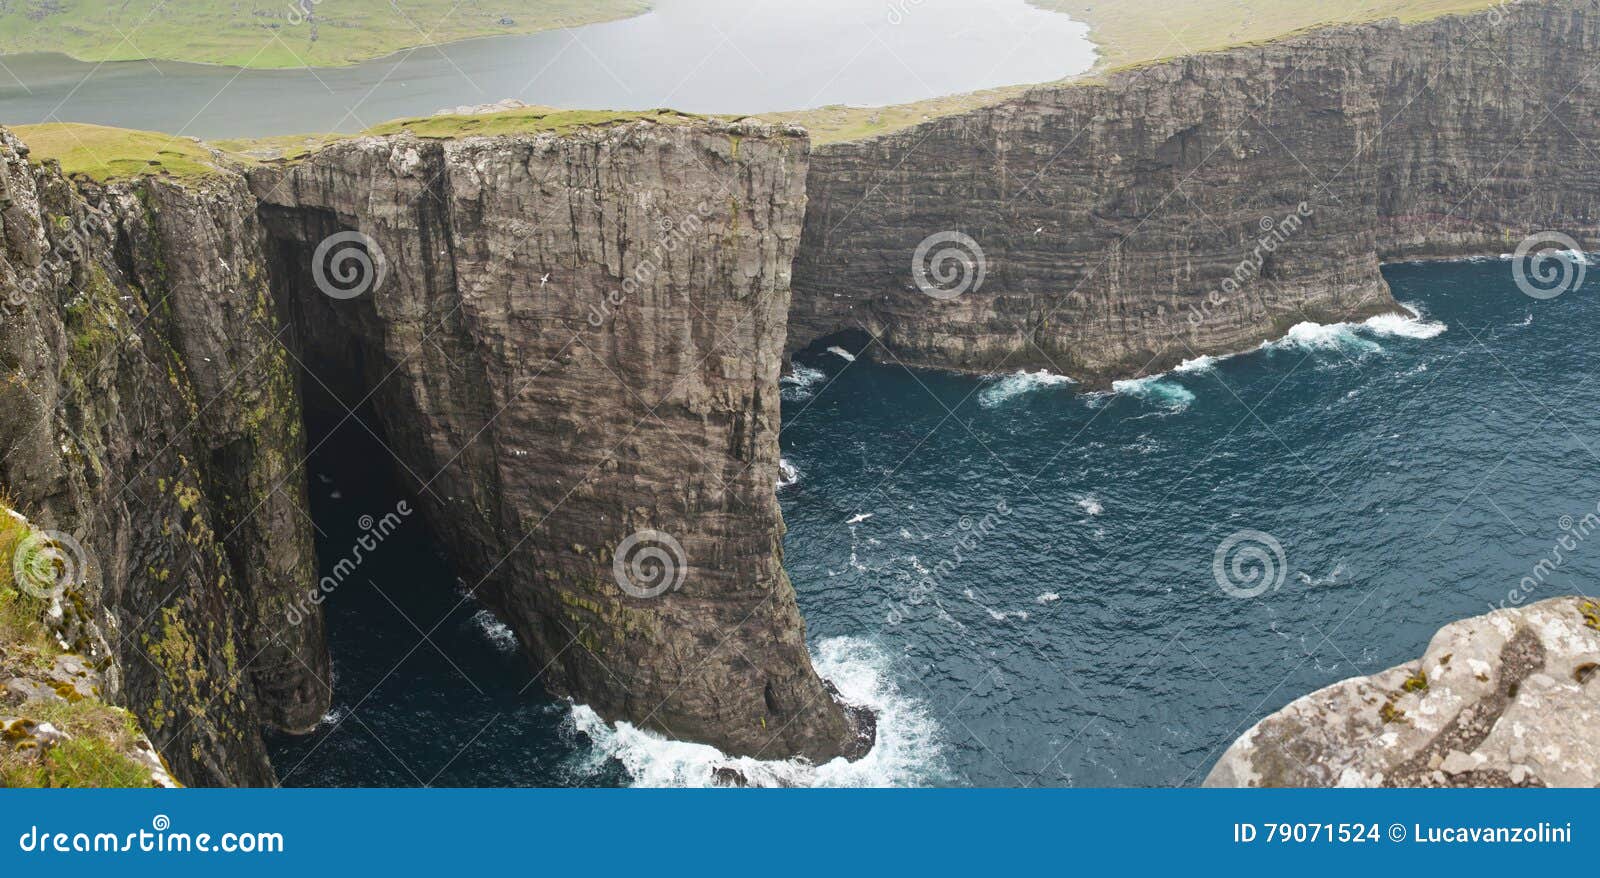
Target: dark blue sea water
{"x": 1021, "y": 577}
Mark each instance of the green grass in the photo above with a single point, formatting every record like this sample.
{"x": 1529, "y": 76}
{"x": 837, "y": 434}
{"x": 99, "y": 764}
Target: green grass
{"x": 261, "y": 33}
{"x": 528, "y": 120}
{"x": 110, "y": 154}
{"x": 101, "y": 735}
{"x": 1131, "y": 33}
{"x": 1135, "y": 32}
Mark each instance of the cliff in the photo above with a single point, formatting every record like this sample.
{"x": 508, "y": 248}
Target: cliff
{"x": 1505, "y": 699}
{"x": 570, "y": 340}
{"x": 573, "y": 351}
{"x": 1206, "y": 203}
{"x": 152, "y": 428}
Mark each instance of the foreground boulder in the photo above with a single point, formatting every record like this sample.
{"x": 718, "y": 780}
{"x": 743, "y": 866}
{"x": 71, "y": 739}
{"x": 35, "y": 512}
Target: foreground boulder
{"x": 1511, "y": 698}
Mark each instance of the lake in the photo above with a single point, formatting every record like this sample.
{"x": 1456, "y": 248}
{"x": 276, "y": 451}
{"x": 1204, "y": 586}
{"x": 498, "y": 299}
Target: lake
{"x": 703, "y": 56}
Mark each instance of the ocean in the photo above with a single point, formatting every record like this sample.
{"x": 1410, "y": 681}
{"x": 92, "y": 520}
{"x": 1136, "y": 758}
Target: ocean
{"x": 1040, "y": 586}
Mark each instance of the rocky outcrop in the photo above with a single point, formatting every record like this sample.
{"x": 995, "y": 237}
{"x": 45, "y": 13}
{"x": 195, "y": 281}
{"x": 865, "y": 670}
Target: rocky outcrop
{"x": 1203, "y": 204}
{"x": 1511, "y": 698}
{"x": 571, "y": 342}
{"x": 150, "y": 421}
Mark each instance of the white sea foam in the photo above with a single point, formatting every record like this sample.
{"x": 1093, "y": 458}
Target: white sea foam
{"x": 1048, "y": 597}
{"x": 498, "y": 633}
{"x": 1006, "y": 387}
{"x": 1156, "y": 390}
{"x": 848, "y": 357}
{"x": 1309, "y": 336}
{"x": 1090, "y": 504}
{"x": 1414, "y": 326}
{"x": 788, "y": 473}
{"x": 801, "y": 384}
{"x": 1202, "y": 363}
{"x": 909, "y": 750}
{"x": 1001, "y": 616}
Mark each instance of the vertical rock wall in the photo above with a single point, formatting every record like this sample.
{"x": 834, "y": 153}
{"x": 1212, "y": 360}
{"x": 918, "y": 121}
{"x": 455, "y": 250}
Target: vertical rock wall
{"x": 1157, "y": 215}
{"x": 146, "y": 408}
{"x": 573, "y": 353}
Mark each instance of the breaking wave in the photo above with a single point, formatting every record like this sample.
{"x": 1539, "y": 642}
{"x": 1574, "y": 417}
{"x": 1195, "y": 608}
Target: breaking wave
{"x": 1309, "y": 336}
{"x": 788, "y": 473}
{"x": 909, "y": 750}
{"x": 1202, "y": 363}
{"x": 1414, "y": 326}
{"x": 801, "y": 384}
{"x": 498, "y": 633}
{"x": 1155, "y": 389}
{"x": 1006, "y": 387}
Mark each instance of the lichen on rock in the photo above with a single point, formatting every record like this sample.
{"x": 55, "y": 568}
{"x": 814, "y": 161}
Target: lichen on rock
{"x": 1509, "y": 699}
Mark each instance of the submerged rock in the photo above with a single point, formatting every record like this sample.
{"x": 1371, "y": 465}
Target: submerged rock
{"x": 1505, "y": 699}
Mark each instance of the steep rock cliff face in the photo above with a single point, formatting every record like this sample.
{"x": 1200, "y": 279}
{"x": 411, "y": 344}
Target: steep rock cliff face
{"x": 1128, "y": 224}
{"x": 572, "y": 346}
{"x": 129, "y": 310}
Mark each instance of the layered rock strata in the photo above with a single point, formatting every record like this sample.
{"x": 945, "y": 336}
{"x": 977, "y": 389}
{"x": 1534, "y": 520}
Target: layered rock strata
{"x": 573, "y": 352}
{"x": 151, "y": 419}
{"x": 1203, "y": 204}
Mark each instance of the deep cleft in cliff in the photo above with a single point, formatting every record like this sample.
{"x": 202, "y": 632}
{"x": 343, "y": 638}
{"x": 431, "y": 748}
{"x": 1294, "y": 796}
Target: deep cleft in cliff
{"x": 567, "y": 328}
{"x": 571, "y": 342}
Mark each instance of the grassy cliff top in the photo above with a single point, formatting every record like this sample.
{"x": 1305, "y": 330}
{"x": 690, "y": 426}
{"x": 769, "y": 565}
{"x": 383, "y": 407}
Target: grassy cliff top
{"x": 270, "y": 33}
{"x": 111, "y": 154}
{"x": 529, "y": 120}
{"x": 1132, "y": 33}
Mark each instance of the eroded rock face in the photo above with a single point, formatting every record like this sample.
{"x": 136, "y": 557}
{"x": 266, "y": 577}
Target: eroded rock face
{"x": 1511, "y": 698}
{"x": 147, "y": 411}
{"x": 1129, "y": 224}
{"x": 577, "y": 341}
